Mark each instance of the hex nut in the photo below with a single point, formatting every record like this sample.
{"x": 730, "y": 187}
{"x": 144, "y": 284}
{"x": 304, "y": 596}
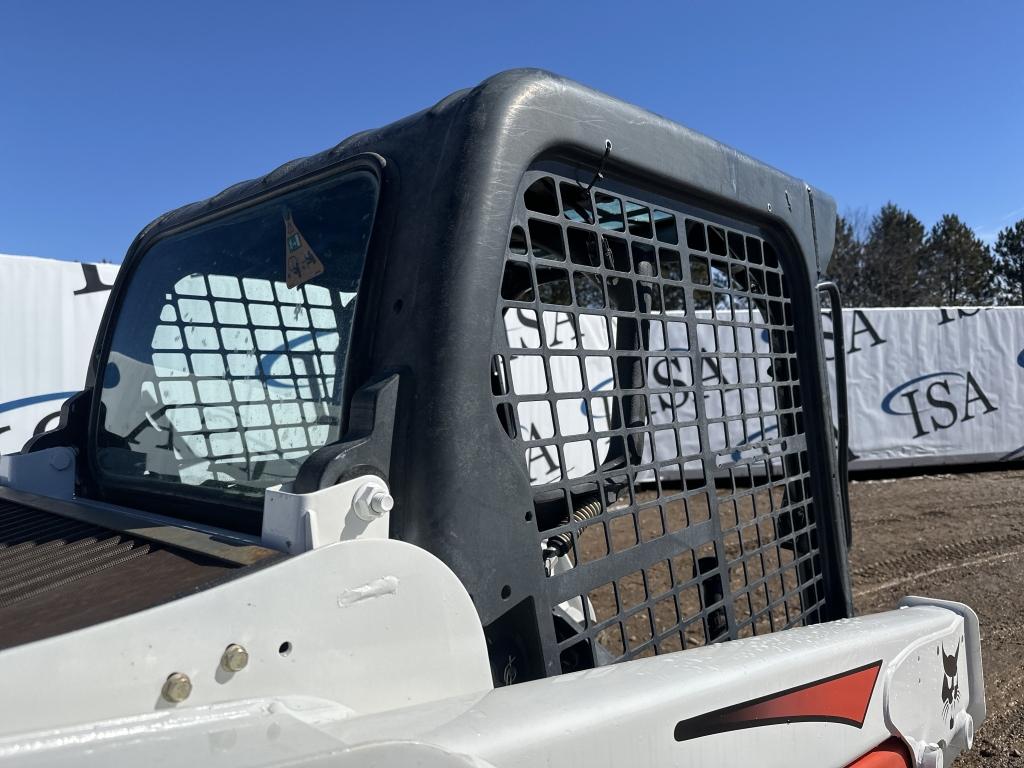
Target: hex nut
{"x": 235, "y": 658}
{"x": 177, "y": 687}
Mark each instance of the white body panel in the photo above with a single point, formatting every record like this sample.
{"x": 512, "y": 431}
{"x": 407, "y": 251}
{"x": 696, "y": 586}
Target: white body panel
{"x": 372, "y": 625}
{"x": 621, "y": 715}
{"x": 296, "y": 522}
{"x": 50, "y": 472}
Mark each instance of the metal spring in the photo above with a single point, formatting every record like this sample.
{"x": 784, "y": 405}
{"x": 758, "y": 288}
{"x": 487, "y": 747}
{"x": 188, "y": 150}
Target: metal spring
{"x": 559, "y": 545}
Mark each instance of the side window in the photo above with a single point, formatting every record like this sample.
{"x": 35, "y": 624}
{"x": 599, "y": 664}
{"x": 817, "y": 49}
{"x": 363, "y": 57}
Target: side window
{"x": 227, "y": 363}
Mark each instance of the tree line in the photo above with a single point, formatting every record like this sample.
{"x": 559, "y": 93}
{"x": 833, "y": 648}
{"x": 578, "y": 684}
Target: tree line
{"x": 892, "y": 260}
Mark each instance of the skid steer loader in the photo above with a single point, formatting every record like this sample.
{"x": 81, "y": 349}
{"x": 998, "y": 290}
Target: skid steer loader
{"x": 498, "y": 436}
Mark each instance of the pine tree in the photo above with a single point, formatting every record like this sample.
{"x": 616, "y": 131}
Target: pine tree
{"x": 846, "y": 267}
{"x": 956, "y": 268}
{"x": 892, "y": 255}
{"x": 1009, "y": 258}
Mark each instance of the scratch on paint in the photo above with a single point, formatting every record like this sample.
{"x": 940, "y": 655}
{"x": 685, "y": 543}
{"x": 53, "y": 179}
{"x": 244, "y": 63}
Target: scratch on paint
{"x": 382, "y": 587}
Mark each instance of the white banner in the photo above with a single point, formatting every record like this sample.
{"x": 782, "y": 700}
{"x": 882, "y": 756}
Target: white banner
{"x": 744, "y": 379}
{"x": 49, "y": 313}
{"x": 926, "y": 386}
{"x": 934, "y": 385}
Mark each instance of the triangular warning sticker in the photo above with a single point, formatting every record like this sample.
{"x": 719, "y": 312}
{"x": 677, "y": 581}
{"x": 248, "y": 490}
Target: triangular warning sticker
{"x": 301, "y": 263}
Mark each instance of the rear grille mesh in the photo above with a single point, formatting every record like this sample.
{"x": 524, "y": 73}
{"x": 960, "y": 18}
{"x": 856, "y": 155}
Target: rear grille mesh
{"x": 40, "y": 551}
{"x": 645, "y": 358}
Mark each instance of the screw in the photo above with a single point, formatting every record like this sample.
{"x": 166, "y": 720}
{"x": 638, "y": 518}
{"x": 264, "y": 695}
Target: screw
{"x": 382, "y": 503}
{"x": 177, "y": 687}
{"x": 235, "y": 658}
{"x": 371, "y": 503}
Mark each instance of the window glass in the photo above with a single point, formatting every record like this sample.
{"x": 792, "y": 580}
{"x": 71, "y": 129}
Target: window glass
{"x": 227, "y": 361}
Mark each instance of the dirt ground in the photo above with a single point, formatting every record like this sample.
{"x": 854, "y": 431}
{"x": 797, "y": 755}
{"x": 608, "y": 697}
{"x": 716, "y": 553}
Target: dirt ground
{"x": 958, "y": 537}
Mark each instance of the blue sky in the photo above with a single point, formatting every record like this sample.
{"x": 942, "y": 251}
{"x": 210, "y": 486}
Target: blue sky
{"x": 115, "y": 112}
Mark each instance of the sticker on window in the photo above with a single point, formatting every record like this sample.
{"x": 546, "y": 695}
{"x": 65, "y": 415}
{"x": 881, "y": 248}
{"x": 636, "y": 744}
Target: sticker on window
{"x": 301, "y": 263}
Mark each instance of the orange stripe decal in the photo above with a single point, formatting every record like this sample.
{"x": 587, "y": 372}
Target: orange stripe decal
{"x": 841, "y": 698}
{"x": 889, "y": 754}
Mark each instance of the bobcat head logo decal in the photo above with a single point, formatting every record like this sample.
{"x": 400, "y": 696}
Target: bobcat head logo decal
{"x": 950, "y": 683}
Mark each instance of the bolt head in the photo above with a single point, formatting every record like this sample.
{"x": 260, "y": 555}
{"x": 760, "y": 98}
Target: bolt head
{"x": 60, "y": 460}
{"x": 235, "y": 658}
{"x": 177, "y": 687}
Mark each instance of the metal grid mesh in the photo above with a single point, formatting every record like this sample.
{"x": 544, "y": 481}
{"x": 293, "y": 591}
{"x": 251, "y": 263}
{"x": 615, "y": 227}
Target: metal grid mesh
{"x": 243, "y": 375}
{"x": 646, "y": 360}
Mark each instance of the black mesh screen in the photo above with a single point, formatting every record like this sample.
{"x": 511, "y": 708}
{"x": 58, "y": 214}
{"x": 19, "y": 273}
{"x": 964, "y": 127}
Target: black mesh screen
{"x": 645, "y": 359}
